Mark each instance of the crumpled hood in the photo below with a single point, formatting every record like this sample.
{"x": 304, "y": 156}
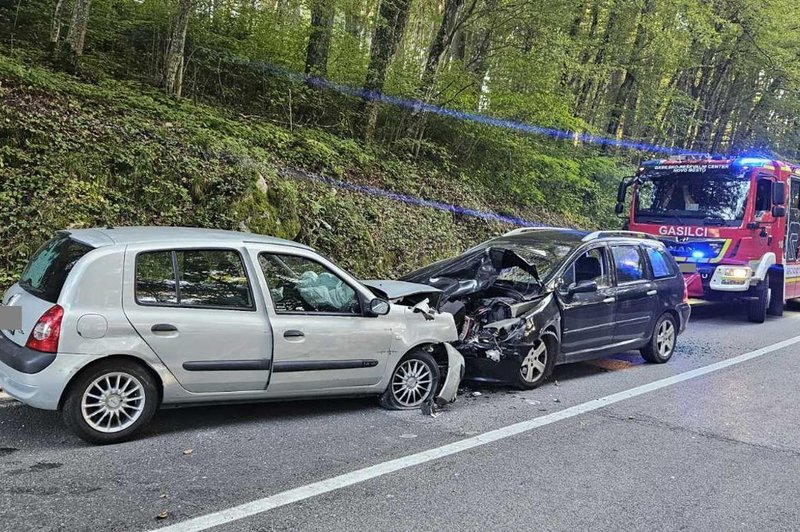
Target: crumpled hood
{"x": 400, "y": 289}
{"x": 470, "y": 272}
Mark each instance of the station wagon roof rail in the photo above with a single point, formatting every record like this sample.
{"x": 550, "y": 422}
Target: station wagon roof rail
{"x": 620, "y": 234}
{"x": 523, "y": 230}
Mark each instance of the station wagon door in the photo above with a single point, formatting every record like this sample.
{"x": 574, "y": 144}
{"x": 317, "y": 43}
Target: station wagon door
{"x": 197, "y": 310}
{"x": 636, "y": 295}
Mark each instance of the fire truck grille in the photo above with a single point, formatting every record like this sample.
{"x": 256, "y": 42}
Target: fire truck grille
{"x": 695, "y": 250}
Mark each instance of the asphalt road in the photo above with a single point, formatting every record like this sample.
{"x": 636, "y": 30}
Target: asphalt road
{"x": 720, "y": 451}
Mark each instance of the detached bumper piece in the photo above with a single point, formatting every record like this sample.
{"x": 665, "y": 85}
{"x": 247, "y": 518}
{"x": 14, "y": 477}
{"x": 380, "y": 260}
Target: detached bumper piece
{"x": 455, "y": 372}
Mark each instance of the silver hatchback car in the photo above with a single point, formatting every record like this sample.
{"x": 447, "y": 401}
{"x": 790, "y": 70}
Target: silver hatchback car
{"x": 117, "y": 322}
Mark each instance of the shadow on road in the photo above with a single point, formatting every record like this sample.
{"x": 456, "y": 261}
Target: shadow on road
{"x": 219, "y": 416}
{"x": 23, "y": 427}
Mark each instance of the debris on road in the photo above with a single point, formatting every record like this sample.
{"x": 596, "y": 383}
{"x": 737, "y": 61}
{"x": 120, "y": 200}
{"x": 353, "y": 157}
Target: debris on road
{"x": 429, "y": 408}
{"x": 163, "y": 515}
{"x": 187, "y": 452}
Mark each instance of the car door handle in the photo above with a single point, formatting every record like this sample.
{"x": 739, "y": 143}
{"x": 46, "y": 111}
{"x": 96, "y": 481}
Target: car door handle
{"x": 609, "y": 300}
{"x": 163, "y": 327}
{"x": 652, "y": 292}
{"x": 293, "y": 334}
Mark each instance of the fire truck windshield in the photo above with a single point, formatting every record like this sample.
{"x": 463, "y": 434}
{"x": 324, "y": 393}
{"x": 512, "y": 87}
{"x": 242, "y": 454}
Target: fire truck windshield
{"x": 692, "y": 198}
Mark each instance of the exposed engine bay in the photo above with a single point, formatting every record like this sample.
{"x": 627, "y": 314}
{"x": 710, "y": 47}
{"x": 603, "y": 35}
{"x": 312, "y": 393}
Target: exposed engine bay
{"x": 495, "y": 296}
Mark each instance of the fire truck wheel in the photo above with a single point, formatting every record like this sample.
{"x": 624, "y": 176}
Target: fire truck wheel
{"x": 757, "y": 308}
{"x": 776, "y": 303}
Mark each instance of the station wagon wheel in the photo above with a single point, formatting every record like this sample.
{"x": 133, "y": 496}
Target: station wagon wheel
{"x": 110, "y": 401}
{"x": 413, "y": 382}
{"x": 535, "y": 365}
{"x": 662, "y": 344}
{"x": 665, "y": 338}
{"x": 113, "y": 402}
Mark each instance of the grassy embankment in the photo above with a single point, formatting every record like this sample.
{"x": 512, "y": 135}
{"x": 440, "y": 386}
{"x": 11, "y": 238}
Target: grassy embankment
{"x": 75, "y": 153}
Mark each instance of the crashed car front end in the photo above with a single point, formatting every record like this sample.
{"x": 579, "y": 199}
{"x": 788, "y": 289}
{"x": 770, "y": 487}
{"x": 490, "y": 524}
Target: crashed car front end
{"x": 501, "y": 307}
{"x": 494, "y": 351}
{"x": 428, "y": 327}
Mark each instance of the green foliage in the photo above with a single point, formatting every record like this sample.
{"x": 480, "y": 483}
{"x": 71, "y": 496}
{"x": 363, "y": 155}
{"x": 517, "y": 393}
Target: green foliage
{"x": 107, "y": 147}
{"x": 76, "y": 154}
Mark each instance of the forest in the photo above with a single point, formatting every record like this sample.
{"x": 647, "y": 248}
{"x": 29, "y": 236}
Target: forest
{"x": 204, "y": 112}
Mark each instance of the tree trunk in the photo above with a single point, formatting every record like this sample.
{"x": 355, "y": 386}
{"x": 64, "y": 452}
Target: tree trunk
{"x": 319, "y": 42}
{"x": 626, "y": 88}
{"x": 55, "y": 30}
{"x": 477, "y": 64}
{"x": 391, "y": 24}
{"x": 577, "y": 22}
{"x": 587, "y": 92}
{"x": 76, "y": 36}
{"x": 458, "y": 50}
{"x": 452, "y": 20}
{"x": 444, "y": 36}
{"x": 354, "y": 20}
{"x": 173, "y": 65}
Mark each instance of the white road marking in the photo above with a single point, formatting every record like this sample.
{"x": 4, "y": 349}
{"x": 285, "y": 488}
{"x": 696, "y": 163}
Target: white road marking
{"x": 284, "y": 498}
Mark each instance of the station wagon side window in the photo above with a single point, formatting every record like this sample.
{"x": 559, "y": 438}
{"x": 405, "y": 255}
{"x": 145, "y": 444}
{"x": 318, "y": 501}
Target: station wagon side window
{"x": 590, "y": 266}
{"x": 199, "y": 278}
{"x": 301, "y": 285}
{"x": 629, "y": 263}
{"x": 660, "y": 263}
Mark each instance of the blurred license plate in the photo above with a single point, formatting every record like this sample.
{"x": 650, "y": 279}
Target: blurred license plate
{"x": 10, "y": 318}
{"x": 688, "y": 267}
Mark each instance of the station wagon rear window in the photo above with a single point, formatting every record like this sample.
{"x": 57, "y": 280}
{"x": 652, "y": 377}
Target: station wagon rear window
{"x": 193, "y": 278}
{"x": 48, "y": 269}
{"x": 661, "y": 263}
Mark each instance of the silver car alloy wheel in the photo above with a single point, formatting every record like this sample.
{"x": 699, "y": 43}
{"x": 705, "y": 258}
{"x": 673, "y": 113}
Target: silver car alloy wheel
{"x": 665, "y": 338}
{"x": 535, "y": 362}
{"x": 412, "y": 383}
{"x": 113, "y": 402}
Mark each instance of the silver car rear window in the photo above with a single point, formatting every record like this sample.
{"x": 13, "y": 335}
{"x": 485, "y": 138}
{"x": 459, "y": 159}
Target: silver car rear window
{"x": 48, "y": 269}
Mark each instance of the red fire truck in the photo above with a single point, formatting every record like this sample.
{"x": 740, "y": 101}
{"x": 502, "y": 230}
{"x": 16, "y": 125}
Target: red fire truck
{"x": 732, "y": 224}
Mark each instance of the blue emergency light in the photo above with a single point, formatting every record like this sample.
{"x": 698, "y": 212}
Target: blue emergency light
{"x": 752, "y": 162}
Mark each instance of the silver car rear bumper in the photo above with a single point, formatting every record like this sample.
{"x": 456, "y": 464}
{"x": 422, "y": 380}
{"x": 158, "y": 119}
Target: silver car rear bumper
{"x": 43, "y": 389}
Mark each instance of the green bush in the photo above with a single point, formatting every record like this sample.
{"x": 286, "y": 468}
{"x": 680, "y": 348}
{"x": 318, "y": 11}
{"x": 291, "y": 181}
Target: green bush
{"x": 76, "y": 154}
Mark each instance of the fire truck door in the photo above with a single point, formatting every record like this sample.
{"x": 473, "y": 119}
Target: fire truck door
{"x": 793, "y": 239}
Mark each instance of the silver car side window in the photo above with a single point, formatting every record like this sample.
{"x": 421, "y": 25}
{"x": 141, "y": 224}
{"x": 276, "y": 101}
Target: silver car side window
{"x": 212, "y": 278}
{"x": 202, "y": 278}
{"x": 155, "y": 279}
{"x": 301, "y": 285}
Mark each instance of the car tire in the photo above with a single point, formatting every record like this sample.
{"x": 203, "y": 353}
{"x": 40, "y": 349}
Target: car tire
{"x": 776, "y": 303}
{"x": 537, "y": 363}
{"x": 414, "y": 381}
{"x": 757, "y": 308}
{"x": 662, "y": 343}
{"x": 110, "y": 402}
